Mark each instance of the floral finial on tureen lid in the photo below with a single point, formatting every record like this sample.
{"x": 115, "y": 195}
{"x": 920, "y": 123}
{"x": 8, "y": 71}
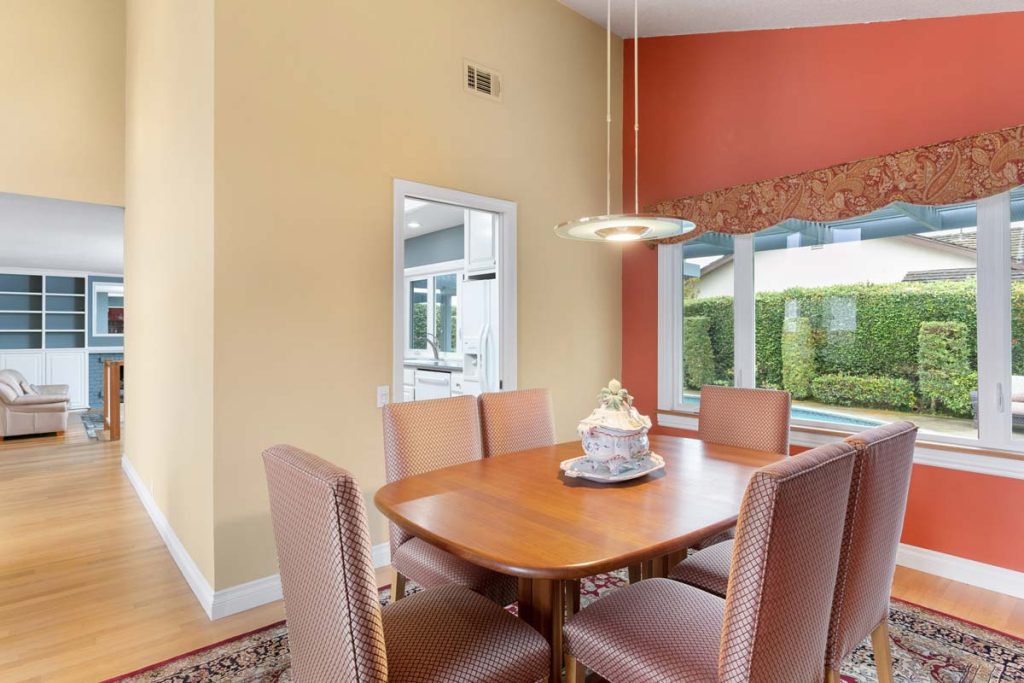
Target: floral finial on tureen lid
{"x": 616, "y": 411}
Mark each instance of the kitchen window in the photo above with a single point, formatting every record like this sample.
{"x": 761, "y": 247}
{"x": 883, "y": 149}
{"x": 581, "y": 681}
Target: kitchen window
{"x": 432, "y": 311}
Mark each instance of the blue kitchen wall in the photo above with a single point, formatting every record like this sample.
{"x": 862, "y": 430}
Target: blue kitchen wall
{"x": 116, "y": 342}
{"x": 435, "y": 247}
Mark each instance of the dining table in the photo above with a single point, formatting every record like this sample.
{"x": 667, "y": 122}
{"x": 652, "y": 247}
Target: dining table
{"x": 519, "y": 514}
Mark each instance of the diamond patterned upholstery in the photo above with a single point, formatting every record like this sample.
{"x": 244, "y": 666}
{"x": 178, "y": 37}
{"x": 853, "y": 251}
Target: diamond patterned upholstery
{"x": 323, "y": 547}
{"x": 775, "y": 618}
{"x": 747, "y": 418}
{"x": 337, "y": 630}
{"x": 421, "y": 436}
{"x": 707, "y": 569}
{"x": 430, "y": 567}
{"x": 516, "y": 421}
{"x": 452, "y": 634}
{"x": 655, "y": 630}
{"x": 874, "y": 521}
{"x": 867, "y": 560}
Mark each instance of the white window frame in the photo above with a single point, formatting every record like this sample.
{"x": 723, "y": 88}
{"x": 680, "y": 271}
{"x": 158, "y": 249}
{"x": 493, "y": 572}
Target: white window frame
{"x": 994, "y": 331}
{"x": 429, "y": 273}
{"x": 507, "y": 274}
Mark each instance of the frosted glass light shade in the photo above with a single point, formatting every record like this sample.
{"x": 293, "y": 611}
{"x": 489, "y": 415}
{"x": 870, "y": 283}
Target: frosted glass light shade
{"x": 623, "y": 228}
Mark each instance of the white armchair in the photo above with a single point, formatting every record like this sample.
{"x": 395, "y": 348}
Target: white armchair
{"x": 28, "y": 409}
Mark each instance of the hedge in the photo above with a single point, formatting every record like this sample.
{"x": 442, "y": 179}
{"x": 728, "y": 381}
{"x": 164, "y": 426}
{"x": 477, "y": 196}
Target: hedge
{"x": 945, "y": 378}
{"x": 871, "y": 392}
{"x": 797, "y": 357}
{"x": 884, "y": 340}
{"x": 698, "y": 360}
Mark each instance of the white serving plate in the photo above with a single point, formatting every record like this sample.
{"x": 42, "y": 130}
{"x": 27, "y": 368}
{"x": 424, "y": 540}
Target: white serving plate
{"x": 582, "y": 469}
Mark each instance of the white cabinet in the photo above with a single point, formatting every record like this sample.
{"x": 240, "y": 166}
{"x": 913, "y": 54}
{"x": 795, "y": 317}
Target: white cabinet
{"x": 30, "y": 364}
{"x": 481, "y": 242}
{"x": 456, "y": 384}
{"x": 431, "y": 384}
{"x": 71, "y": 368}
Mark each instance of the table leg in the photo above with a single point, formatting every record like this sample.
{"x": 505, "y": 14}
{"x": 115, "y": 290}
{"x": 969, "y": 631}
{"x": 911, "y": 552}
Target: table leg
{"x": 547, "y": 615}
{"x": 525, "y": 600}
{"x": 658, "y": 567}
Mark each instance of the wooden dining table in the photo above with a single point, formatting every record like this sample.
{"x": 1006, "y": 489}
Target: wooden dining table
{"x": 519, "y": 514}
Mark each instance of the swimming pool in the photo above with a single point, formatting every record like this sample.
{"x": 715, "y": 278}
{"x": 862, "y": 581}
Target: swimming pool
{"x": 811, "y": 414}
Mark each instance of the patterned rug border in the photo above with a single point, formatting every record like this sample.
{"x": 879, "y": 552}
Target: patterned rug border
{"x": 202, "y": 648}
{"x": 1019, "y": 639}
{"x": 283, "y": 622}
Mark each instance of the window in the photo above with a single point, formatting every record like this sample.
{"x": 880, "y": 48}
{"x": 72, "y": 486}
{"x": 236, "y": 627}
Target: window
{"x": 907, "y": 313}
{"x": 439, "y": 293}
{"x": 108, "y": 309}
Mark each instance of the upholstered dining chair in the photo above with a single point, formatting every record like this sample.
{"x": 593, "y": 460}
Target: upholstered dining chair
{"x": 746, "y": 418}
{"x": 867, "y": 561}
{"x": 516, "y": 421}
{"x": 774, "y": 624}
{"x": 337, "y": 630}
{"x": 421, "y": 436}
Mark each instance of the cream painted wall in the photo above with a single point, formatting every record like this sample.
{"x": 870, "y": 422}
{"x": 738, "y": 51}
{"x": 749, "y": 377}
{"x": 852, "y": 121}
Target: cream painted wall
{"x": 319, "y": 105}
{"x": 169, "y": 263}
{"x": 63, "y": 84}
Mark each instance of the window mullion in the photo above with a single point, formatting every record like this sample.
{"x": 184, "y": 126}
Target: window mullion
{"x": 744, "y": 361}
{"x": 670, "y": 326}
{"x": 994, "y": 334}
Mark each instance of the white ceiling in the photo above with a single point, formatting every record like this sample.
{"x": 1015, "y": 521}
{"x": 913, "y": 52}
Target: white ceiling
{"x": 678, "y": 17}
{"x": 55, "y": 234}
{"x": 422, "y": 216}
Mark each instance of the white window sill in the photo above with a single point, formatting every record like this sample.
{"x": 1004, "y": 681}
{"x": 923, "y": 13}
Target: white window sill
{"x": 931, "y": 452}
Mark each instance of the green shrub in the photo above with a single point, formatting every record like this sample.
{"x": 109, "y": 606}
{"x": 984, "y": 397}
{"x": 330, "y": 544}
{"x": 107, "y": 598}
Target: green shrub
{"x": 872, "y": 392}
{"x": 945, "y": 378}
{"x": 718, "y": 311}
{"x": 797, "y": 357}
{"x": 698, "y": 358}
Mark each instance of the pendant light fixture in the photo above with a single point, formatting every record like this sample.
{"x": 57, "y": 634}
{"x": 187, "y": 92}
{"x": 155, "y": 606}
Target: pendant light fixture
{"x": 625, "y": 227}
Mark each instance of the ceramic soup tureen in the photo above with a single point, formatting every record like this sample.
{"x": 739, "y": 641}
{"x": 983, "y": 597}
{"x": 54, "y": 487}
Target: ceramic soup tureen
{"x": 615, "y": 434}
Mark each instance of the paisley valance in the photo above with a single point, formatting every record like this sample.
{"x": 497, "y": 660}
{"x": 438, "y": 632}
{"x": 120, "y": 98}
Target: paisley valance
{"x": 944, "y": 173}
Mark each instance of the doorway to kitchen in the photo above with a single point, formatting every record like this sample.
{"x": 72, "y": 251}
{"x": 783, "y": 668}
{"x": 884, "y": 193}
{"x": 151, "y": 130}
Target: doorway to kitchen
{"x": 454, "y": 293}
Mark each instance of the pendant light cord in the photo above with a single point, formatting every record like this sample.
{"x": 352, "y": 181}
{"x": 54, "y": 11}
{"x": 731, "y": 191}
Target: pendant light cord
{"x": 636, "y": 110}
{"x": 608, "y": 116}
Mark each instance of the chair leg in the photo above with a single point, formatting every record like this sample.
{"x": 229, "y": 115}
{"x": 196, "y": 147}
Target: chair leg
{"x": 575, "y": 672}
{"x": 397, "y": 585}
{"x": 883, "y": 655}
{"x": 634, "y": 573}
{"x": 832, "y": 676}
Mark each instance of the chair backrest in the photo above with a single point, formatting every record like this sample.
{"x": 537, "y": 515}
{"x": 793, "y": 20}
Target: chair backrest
{"x": 747, "y": 418}
{"x": 516, "y": 421}
{"x": 784, "y": 565}
{"x": 874, "y": 521}
{"x": 335, "y": 631}
{"x": 420, "y": 436}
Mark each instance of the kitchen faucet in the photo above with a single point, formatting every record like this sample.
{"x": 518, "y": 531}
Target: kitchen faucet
{"x": 432, "y": 341}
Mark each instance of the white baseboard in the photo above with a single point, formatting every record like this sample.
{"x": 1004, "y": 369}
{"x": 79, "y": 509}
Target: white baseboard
{"x": 962, "y": 570}
{"x": 193, "y": 576}
{"x": 227, "y": 601}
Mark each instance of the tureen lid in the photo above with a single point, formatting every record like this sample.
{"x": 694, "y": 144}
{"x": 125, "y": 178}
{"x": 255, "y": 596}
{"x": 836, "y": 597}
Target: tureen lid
{"x": 616, "y": 411}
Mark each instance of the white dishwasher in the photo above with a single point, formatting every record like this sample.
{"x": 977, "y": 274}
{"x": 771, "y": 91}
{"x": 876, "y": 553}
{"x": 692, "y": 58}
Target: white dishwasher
{"x": 433, "y": 384}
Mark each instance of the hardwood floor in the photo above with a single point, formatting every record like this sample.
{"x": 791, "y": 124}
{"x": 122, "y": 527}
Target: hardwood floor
{"x": 88, "y": 591}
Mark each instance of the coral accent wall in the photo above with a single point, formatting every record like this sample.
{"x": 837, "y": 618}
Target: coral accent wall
{"x": 729, "y": 108}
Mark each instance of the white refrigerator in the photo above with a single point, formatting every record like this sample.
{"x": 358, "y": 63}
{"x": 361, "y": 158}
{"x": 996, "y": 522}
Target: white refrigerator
{"x": 481, "y": 353}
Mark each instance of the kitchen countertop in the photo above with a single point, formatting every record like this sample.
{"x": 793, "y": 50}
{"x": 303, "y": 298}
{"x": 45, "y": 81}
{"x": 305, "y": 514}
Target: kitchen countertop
{"x": 430, "y": 364}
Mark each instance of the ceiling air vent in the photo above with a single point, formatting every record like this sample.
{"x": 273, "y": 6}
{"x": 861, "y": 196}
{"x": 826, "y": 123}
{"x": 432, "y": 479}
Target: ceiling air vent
{"x": 483, "y": 81}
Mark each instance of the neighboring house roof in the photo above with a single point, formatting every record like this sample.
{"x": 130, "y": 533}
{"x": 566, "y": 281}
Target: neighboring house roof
{"x": 968, "y": 239}
{"x": 947, "y": 274}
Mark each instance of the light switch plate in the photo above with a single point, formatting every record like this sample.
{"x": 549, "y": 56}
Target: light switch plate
{"x": 383, "y": 395}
